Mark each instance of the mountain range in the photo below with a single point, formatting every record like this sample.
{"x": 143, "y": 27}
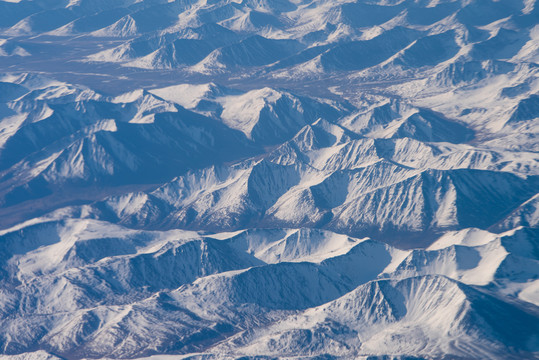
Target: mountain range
{"x": 256, "y": 179}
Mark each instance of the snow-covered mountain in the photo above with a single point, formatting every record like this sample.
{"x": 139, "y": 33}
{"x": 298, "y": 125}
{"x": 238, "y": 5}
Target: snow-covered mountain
{"x": 260, "y": 179}
{"x": 268, "y": 292}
